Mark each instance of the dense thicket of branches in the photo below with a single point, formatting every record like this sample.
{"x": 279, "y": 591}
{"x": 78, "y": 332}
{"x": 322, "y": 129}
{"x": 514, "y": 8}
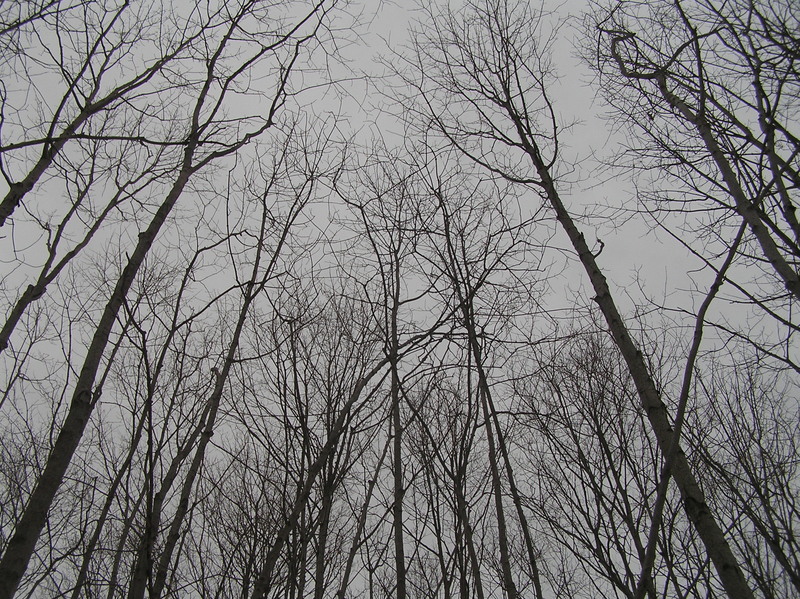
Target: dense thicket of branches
{"x": 248, "y": 352}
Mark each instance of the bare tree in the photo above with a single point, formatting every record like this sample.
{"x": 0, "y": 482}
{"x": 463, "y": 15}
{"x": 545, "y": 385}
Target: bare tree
{"x": 88, "y": 46}
{"x": 707, "y": 97}
{"x": 481, "y": 80}
{"x": 208, "y": 137}
{"x": 240, "y": 358}
{"x": 477, "y": 245}
{"x": 706, "y": 91}
{"x": 746, "y": 442}
{"x": 390, "y": 214}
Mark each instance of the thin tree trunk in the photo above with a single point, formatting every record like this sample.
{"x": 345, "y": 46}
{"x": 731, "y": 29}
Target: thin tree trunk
{"x": 122, "y": 548}
{"x": 80, "y": 581}
{"x": 434, "y": 493}
{"x": 362, "y": 522}
{"x": 253, "y": 288}
{"x": 143, "y": 563}
{"x": 517, "y": 498}
{"x": 322, "y": 540}
{"x": 465, "y": 295}
{"x": 397, "y": 461}
{"x": 502, "y": 532}
{"x": 645, "y": 582}
{"x": 469, "y": 537}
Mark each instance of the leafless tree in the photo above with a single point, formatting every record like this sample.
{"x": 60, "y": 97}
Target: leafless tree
{"x": 746, "y": 441}
{"x": 226, "y": 51}
{"x": 707, "y": 99}
{"x": 706, "y": 91}
{"x": 479, "y": 245}
{"x": 480, "y": 78}
{"x": 391, "y": 213}
{"x": 241, "y": 358}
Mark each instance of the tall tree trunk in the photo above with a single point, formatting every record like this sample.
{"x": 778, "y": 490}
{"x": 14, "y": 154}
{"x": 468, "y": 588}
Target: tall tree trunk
{"x": 26, "y": 533}
{"x": 397, "y": 446}
{"x": 465, "y": 295}
{"x": 462, "y": 514}
{"x": 517, "y": 499}
{"x": 322, "y": 539}
{"x": 694, "y": 501}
